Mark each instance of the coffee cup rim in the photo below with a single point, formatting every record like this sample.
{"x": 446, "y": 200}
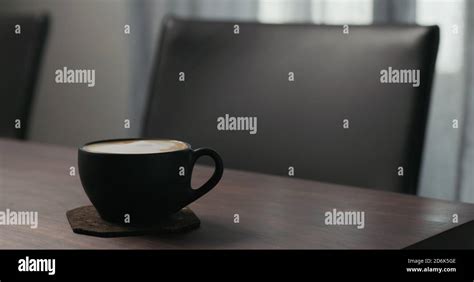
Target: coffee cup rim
{"x": 82, "y": 149}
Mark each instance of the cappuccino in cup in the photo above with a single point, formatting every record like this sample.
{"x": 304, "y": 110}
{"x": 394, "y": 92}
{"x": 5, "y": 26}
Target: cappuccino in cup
{"x": 141, "y": 181}
{"x": 136, "y": 147}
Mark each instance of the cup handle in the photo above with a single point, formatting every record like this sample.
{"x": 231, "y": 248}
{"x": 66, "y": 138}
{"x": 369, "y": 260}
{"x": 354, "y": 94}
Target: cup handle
{"x": 216, "y": 176}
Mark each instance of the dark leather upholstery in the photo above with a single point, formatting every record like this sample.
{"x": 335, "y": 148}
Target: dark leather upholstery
{"x": 19, "y": 56}
{"x": 300, "y": 123}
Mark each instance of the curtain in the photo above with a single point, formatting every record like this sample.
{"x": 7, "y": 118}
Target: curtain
{"x": 467, "y": 153}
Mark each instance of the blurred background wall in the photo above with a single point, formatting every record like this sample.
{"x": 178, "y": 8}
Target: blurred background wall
{"x": 89, "y": 34}
{"x": 82, "y": 35}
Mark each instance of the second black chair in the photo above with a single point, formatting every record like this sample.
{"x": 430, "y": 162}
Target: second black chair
{"x": 21, "y": 42}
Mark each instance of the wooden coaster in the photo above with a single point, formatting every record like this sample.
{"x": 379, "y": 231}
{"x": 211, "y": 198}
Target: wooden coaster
{"x": 85, "y": 220}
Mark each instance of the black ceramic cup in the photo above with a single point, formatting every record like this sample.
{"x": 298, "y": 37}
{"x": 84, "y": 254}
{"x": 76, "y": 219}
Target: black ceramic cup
{"x": 142, "y": 188}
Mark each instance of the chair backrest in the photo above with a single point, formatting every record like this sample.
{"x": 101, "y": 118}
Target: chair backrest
{"x": 327, "y": 103}
{"x": 21, "y": 42}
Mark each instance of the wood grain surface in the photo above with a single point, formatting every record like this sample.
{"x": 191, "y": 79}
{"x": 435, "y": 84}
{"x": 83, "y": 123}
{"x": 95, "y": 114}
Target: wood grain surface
{"x": 274, "y": 211}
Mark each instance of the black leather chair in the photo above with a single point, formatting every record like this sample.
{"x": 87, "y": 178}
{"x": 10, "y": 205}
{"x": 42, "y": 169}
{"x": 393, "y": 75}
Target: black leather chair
{"x": 19, "y": 56}
{"x": 337, "y": 77}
